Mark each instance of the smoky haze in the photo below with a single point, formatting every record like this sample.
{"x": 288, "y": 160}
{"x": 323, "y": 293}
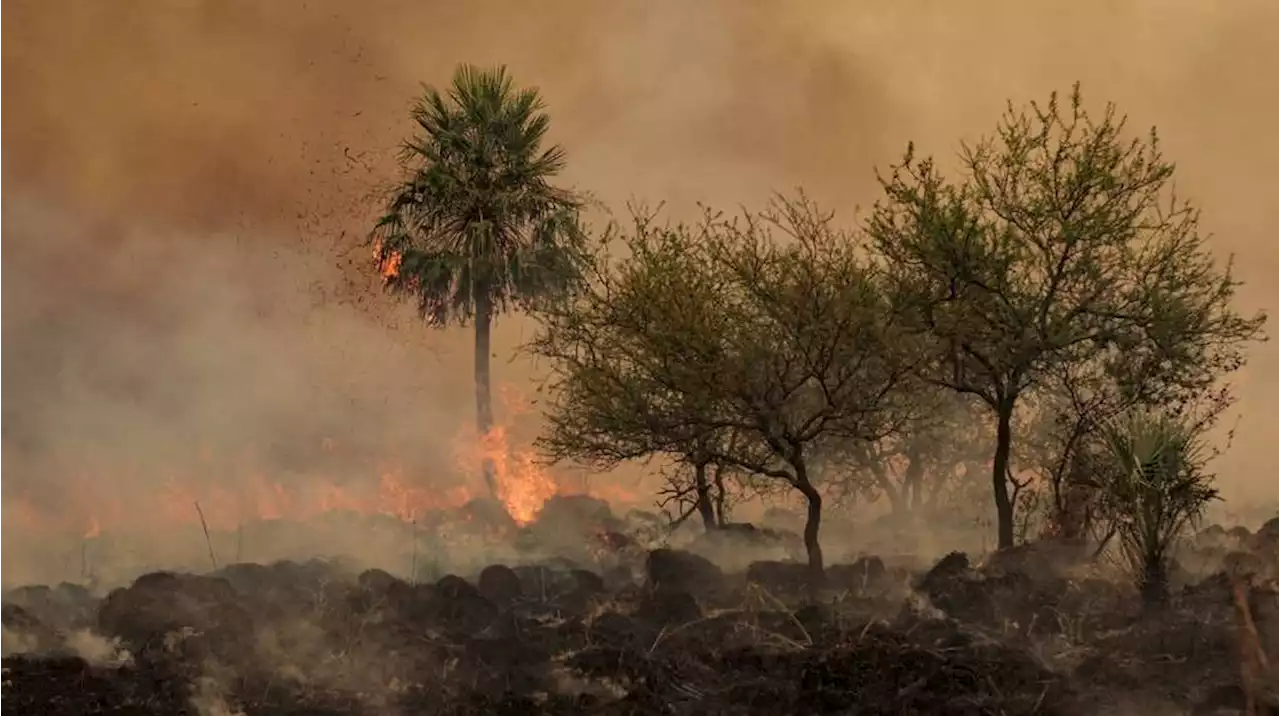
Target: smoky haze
{"x": 186, "y": 184}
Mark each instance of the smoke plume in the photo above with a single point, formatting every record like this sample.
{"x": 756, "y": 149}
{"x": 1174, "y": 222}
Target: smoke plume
{"x": 187, "y": 184}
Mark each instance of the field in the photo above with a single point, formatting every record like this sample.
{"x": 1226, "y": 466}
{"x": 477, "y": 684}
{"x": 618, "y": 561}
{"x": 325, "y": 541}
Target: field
{"x": 616, "y": 626}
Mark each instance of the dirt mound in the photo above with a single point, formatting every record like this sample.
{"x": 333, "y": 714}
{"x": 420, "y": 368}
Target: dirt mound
{"x": 552, "y": 638}
{"x": 65, "y": 607}
{"x": 677, "y": 569}
{"x": 69, "y": 686}
{"x": 877, "y": 669}
{"x": 734, "y": 545}
{"x": 780, "y": 577}
{"x": 26, "y": 632}
{"x": 500, "y": 584}
{"x": 163, "y": 611}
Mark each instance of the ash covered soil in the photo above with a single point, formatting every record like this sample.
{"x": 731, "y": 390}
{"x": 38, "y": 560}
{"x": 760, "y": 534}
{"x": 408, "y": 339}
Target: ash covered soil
{"x": 617, "y": 628}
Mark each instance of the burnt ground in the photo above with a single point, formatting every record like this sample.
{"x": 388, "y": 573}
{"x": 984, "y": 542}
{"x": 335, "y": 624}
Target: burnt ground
{"x": 642, "y": 632}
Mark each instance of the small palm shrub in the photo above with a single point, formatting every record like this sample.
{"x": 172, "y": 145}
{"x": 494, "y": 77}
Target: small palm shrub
{"x": 1154, "y": 490}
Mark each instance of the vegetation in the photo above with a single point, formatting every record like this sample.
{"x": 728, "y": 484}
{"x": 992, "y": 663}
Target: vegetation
{"x": 699, "y": 482}
{"x": 915, "y": 467}
{"x": 475, "y": 227}
{"x": 1156, "y": 488}
{"x": 1060, "y": 248}
{"x": 723, "y": 343}
{"x": 1049, "y": 288}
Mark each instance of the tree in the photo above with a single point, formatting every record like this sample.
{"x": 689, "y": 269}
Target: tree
{"x": 721, "y": 342}
{"x": 1156, "y": 491}
{"x": 1056, "y": 445}
{"x": 475, "y": 228}
{"x": 915, "y": 465}
{"x": 1064, "y": 442}
{"x": 700, "y": 484}
{"x": 1062, "y": 241}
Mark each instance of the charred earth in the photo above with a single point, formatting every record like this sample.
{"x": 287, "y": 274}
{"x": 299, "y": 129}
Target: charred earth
{"x": 626, "y": 628}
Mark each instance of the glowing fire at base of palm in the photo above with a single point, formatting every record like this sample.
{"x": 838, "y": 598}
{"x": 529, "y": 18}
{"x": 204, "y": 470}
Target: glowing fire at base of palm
{"x": 523, "y": 486}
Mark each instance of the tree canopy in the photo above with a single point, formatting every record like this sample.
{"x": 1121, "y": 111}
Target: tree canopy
{"x": 1060, "y": 244}
{"x": 1053, "y": 282}
{"x": 476, "y": 224}
{"x": 748, "y": 340}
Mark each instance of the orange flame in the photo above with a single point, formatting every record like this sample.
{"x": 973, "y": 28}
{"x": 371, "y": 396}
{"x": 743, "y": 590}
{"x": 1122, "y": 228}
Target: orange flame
{"x": 134, "y": 500}
{"x": 89, "y": 507}
{"x": 523, "y": 486}
{"x": 388, "y": 265}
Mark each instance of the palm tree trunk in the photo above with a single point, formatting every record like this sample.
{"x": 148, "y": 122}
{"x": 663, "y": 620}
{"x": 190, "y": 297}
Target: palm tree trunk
{"x": 484, "y": 398}
{"x": 1153, "y": 583}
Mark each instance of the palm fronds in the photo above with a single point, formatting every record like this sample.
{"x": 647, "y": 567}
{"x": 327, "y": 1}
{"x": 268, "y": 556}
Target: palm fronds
{"x": 475, "y": 224}
{"x": 1156, "y": 488}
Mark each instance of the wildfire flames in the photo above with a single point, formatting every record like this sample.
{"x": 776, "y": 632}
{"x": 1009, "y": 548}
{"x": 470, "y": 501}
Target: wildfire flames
{"x": 388, "y": 266}
{"x": 94, "y": 504}
{"x": 523, "y": 487}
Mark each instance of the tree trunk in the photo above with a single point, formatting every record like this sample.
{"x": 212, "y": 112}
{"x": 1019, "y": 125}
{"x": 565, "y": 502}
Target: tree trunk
{"x": 813, "y": 521}
{"x": 703, "y": 489}
{"x": 893, "y": 492}
{"x": 999, "y": 474}
{"x": 1153, "y": 582}
{"x": 484, "y": 398}
{"x": 1070, "y": 499}
{"x": 911, "y": 482}
{"x": 720, "y": 496}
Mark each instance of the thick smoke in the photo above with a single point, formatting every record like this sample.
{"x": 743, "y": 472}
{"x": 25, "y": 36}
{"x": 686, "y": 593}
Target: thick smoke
{"x": 187, "y": 183}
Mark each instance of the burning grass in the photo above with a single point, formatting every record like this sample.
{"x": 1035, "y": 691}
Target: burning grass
{"x": 242, "y": 508}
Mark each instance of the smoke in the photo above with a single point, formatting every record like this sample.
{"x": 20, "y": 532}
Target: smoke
{"x": 187, "y": 184}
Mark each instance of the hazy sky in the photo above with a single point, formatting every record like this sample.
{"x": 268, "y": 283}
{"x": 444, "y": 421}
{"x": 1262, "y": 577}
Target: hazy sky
{"x": 184, "y": 181}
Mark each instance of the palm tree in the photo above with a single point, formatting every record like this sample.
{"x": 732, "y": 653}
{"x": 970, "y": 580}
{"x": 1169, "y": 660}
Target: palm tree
{"x": 1154, "y": 490}
{"x": 475, "y": 228}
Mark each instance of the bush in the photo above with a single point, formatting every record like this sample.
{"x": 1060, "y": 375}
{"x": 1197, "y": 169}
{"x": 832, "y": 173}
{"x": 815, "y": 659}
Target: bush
{"x": 1154, "y": 490}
